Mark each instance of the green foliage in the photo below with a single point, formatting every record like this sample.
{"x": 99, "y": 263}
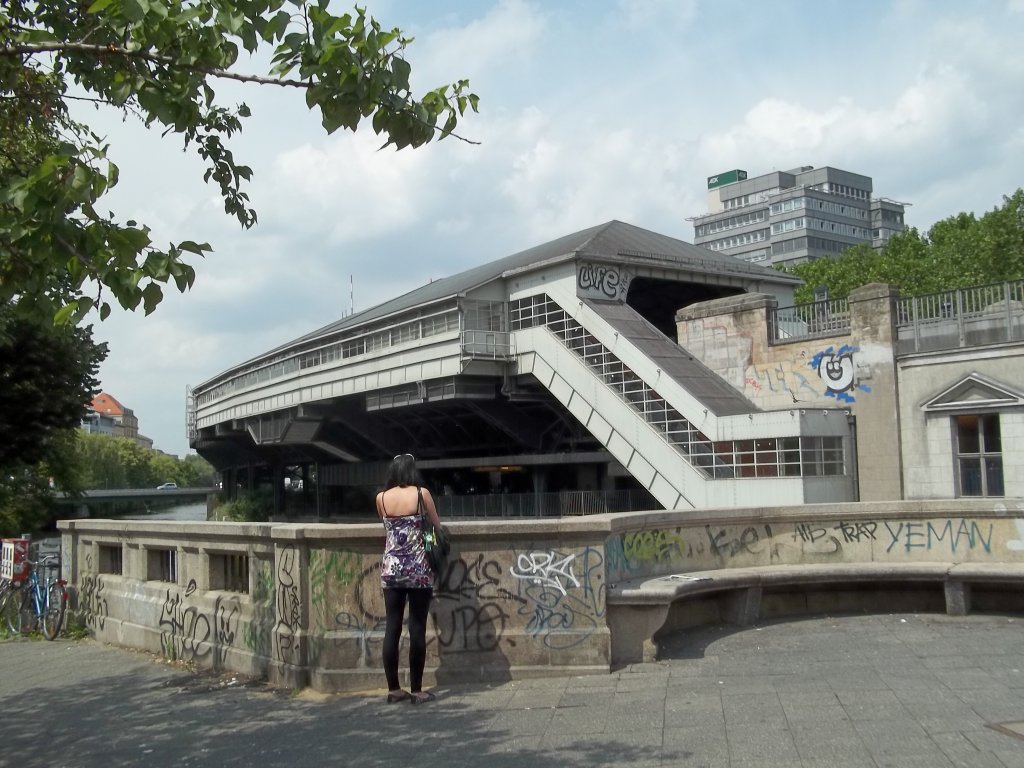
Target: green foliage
{"x": 24, "y": 502}
{"x": 957, "y": 252}
{"x": 26, "y": 490}
{"x": 47, "y": 375}
{"x": 158, "y": 60}
{"x": 255, "y": 507}
{"x": 75, "y": 627}
{"x": 75, "y": 461}
{"x": 104, "y": 461}
{"x": 196, "y": 472}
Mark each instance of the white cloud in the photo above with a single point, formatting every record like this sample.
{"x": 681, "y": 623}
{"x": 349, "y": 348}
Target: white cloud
{"x": 657, "y": 14}
{"x": 346, "y": 182}
{"x": 507, "y": 33}
{"x": 928, "y": 111}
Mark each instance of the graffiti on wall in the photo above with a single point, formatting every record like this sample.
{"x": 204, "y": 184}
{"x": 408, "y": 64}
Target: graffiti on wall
{"x": 329, "y": 570}
{"x": 92, "y": 601}
{"x": 345, "y": 596}
{"x": 602, "y": 281}
{"x": 689, "y": 549}
{"x": 473, "y": 608}
{"x": 258, "y": 633}
{"x": 546, "y": 568}
{"x": 289, "y": 609}
{"x": 836, "y": 370}
{"x": 184, "y": 631}
{"x": 556, "y": 597}
{"x": 784, "y": 378}
{"x": 564, "y": 594}
{"x": 188, "y": 634}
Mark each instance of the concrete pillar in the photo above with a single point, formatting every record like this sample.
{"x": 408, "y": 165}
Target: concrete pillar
{"x": 540, "y": 485}
{"x": 743, "y": 606}
{"x": 632, "y": 629}
{"x": 873, "y": 332}
{"x": 958, "y": 598}
{"x": 728, "y": 335}
{"x": 290, "y": 665}
{"x": 277, "y": 483}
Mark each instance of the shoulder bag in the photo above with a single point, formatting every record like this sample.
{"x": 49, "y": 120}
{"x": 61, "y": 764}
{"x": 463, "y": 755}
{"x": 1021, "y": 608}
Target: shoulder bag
{"x": 435, "y": 538}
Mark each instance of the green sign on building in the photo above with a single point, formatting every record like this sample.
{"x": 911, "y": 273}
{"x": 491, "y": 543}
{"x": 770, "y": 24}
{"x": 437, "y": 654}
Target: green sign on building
{"x": 726, "y": 177}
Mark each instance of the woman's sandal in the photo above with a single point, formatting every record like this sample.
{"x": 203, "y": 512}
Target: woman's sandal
{"x": 396, "y": 696}
{"x": 418, "y": 697}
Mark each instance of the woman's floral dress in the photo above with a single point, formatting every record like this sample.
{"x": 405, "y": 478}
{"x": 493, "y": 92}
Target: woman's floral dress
{"x": 405, "y": 561}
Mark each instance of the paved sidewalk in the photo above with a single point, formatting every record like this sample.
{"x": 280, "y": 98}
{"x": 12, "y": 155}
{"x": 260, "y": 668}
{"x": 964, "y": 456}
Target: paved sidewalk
{"x": 892, "y": 690}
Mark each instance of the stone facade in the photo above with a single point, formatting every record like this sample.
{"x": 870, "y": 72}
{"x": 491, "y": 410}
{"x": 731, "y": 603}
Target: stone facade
{"x": 906, "y": 448}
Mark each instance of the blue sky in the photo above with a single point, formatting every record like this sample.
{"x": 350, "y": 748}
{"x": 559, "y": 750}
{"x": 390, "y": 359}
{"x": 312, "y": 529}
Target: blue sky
{"x": 589, "y": 111}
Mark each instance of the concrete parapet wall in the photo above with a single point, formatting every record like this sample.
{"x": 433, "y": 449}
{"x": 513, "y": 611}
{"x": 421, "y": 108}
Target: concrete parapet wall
{"x": 517, "y": 599}
{"x": 302, "y": 605}
{"x": 953, "y": 531}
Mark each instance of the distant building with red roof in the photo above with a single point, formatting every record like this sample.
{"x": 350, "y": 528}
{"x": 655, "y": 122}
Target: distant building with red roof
{"x": 125, "y": 422}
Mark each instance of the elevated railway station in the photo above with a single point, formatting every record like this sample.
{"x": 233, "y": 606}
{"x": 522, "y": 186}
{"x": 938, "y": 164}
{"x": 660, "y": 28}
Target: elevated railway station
{"x": 545, "y": 383}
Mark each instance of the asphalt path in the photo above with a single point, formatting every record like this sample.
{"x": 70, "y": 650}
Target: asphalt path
{"x": 900, "y": 691}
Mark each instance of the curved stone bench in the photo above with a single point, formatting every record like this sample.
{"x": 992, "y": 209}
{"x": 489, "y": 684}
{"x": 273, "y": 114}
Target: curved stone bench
{"x": 639, "y": 608}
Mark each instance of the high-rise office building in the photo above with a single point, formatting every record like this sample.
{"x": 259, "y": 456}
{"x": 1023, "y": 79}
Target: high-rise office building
{"x": 787, "y": 217}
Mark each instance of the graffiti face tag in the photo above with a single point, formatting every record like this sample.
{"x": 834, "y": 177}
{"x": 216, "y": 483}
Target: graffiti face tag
{"x": 836, "y": 371}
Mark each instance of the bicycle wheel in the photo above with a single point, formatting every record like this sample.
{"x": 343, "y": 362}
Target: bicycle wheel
{"x": 10, "y": 609}
{"x": 53, "y": 611}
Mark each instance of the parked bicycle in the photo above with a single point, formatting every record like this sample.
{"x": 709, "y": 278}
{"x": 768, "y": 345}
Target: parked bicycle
{"x": 36, "y": 602}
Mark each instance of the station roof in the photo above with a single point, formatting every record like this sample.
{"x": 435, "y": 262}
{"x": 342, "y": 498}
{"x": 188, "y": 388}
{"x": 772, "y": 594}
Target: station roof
{"x": 624, "y": 243}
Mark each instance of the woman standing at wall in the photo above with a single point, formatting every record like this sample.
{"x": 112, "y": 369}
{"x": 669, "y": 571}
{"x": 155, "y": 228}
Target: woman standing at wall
{"x": 405, "y": 574}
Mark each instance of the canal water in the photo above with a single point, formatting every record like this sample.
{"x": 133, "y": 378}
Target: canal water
{"x": 182, "y": 512}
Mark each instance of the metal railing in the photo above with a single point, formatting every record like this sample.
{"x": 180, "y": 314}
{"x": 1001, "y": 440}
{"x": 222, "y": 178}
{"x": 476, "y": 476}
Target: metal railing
{"x": 814, "y": 320}
{"x": 555, "y": 504}
{"x": 487, "y": 345}
{"x": 984, "y": 314}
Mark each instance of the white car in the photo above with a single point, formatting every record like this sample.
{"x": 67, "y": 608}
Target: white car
{"x": 167, "y": 487}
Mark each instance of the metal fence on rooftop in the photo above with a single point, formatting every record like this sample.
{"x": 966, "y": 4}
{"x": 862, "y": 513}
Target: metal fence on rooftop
{"x": 984, "y": 314}
{"x": 813, "y": 320}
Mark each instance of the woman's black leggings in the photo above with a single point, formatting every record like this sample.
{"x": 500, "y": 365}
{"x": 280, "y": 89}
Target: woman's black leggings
{"x": 419, "y": 607}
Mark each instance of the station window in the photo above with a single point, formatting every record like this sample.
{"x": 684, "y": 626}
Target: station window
{"x": 979, "y": 455}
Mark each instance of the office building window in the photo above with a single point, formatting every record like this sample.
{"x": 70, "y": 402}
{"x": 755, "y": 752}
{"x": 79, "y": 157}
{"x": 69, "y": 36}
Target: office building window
{"x": 979, "y": 455}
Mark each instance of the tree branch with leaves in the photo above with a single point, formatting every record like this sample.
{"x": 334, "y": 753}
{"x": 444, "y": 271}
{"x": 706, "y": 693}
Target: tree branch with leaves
{"x": 158, "y": 60}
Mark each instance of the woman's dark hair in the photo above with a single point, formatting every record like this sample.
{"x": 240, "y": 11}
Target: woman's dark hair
{"x": 403, "y": 472}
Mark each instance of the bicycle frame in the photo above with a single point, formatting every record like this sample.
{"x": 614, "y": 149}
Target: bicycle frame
{"x": 43, "y": 601}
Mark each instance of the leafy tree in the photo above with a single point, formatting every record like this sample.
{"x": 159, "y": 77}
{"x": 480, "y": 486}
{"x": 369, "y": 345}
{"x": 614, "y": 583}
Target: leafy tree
{"x": 100, "y": 462}
{"x": 106, "y": 461}
{"x": 47, "y": 375}
{"x": 61, "y": 255}
{"x": 133, "y": 461}
{"x": 165, "y": 469}
{"x": 957, "y": 252}
{"x": 26, "y": 491}
{"x": 197, "y": 472}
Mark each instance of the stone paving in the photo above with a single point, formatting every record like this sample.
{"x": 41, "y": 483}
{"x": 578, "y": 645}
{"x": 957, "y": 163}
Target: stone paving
{"x": 903, "y": 691}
